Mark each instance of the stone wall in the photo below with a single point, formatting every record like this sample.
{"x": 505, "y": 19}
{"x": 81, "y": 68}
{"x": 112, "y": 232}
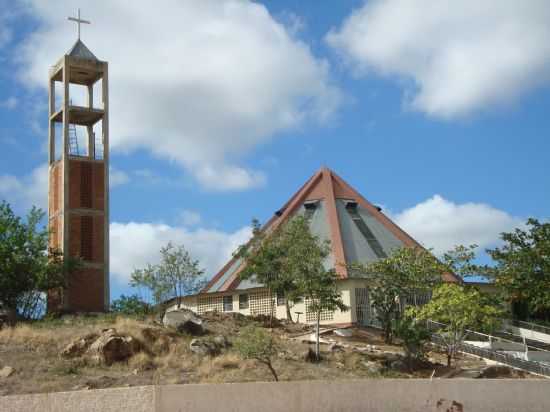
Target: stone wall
{"x": 366, "y": 395}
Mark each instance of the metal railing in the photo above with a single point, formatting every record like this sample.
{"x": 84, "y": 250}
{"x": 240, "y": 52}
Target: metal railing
{"x": 540, "y": 345}
{"x": 505, "y": 358}
{"x": 541, "y": 368}
{"x": 529, "y": 325}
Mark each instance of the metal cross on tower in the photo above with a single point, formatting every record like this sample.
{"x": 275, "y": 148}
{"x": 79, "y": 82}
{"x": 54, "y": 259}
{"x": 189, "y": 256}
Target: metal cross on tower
{"x": 78, "y": 21}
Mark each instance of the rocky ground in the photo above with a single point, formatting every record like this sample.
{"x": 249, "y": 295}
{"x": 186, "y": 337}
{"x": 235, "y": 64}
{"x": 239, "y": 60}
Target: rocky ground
{"x": 75, "y": 353}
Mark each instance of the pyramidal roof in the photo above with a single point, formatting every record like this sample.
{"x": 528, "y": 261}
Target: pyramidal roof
{"x": 80, "y": 51}
{"x": 357, "y": 230}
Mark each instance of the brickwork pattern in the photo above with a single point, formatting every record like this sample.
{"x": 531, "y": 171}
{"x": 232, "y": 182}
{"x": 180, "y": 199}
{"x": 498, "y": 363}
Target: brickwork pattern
{"x": 210, "y": 304}
{"x": 85, "y": 290}
{"x": 311, "y": 316}
{"x": 87, "y": 188}
{"x": 86, "y": 237}
{"x": 260, "y": 303}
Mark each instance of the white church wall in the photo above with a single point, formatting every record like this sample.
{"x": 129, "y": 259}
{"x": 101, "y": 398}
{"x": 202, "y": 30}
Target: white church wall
{"x": 258, "y": 304}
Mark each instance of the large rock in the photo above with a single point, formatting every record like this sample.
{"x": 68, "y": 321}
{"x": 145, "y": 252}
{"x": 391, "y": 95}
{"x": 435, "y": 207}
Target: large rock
{"x": 79, "y": 346}
{"x": 373, "y": 367}
{"x": 221, "y": 341}
{"x": 111, "y": 347}
{"x": 6, "y": 372}
{"x": 210, "y": 347}
{"x": 501, "y": 371}
{"x": 399, "y": 365}
{"x": 184, "y": 320}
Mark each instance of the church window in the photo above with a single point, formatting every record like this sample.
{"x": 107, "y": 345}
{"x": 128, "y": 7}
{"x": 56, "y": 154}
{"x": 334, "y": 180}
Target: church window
{"x": 310, "y": 209}
{"x": 243, "y": 301}
{"x": 228, "y": 303}
{"x": 375, "y": 245}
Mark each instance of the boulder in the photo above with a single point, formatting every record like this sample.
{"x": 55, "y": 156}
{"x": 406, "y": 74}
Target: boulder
{"x": 6, "y": 372}
{"x": 184, "y": 320}
{"x": 373, "y": 367}
{"x": 399, "y": 365}
{"x": 111, "y": 347}
{"x": 501, "y": 371}
{"x": 335, "y": 347}
{"x": 221, "y": 341}
{"x": 79, "y": 346}
{"x": 205, "y": 347}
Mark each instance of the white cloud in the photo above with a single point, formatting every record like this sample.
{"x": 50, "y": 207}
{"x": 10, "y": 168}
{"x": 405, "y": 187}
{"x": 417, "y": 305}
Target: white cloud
{"x": 27, "y": 191}
{"x": 441, "y": 224}
{"x": 10, "y": 103}
{"x": 189, "y": 218}
{"x": 135, "y": 244}
{"x": 117, "y": 177}
{"x": 462, "y": 56}
{"x": 200, "y": 83}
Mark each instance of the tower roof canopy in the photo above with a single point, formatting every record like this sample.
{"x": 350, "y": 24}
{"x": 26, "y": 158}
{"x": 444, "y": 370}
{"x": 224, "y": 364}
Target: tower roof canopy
{"x": 357, "y": 230}
{"x": 80, "y": 51}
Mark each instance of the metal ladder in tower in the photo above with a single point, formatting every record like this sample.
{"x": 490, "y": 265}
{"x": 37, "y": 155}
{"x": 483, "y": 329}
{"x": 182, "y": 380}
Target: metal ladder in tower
{"x": 73, "y": 141}
{"x": 98, "y": 147}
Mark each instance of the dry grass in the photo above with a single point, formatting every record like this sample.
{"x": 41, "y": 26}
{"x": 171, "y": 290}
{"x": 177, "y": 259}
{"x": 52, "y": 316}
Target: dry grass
{"x": 227, "y": 361}
{"x": 33, "y": 350}
{"x": 141, "y": 362}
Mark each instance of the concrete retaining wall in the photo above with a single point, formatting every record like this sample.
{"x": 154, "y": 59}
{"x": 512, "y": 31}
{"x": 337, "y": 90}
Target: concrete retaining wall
{"x": 138, "y": 399}
{"x": 366, "y": 395}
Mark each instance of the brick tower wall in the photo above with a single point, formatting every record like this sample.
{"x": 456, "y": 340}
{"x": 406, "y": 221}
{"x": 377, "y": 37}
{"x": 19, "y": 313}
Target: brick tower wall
{"x": 85, "y": 231}
{"x": 55, "y": 198}
{"x": 86, "y": 195}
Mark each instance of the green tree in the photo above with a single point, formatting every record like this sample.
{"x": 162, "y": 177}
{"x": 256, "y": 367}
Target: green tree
{"x": 398, "y": 278}
{"x": 130, "y": 305}
{"x": 413, "y": 335}
{"x": 522, "y": 268}
{"x": 27, "y": 270}
{"x": 459, "y": 309}
{"x": 177, "y": 275}
{"x": 255, "y": 343}
{"x": 296, "y": 241}
{"x": 265, "y": 257}
{"x": 459, "y": 261}
{"x": 148, "y": 278}
{"x": 180, "y": 271}
{"x": 306, "y": 264}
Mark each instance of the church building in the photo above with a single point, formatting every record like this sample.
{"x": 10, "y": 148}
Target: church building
{"x": 358, "y": 231}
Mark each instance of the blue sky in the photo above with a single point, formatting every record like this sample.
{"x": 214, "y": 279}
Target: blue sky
{"x": 220, "y": 110}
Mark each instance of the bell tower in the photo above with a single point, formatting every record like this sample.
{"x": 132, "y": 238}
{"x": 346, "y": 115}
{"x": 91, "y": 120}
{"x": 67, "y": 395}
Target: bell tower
{"x": 78, "y": 196}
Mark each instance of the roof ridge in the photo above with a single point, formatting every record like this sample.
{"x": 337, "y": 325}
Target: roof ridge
{"x": 327, "y": 185}
{"x": 80, "y": 51}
